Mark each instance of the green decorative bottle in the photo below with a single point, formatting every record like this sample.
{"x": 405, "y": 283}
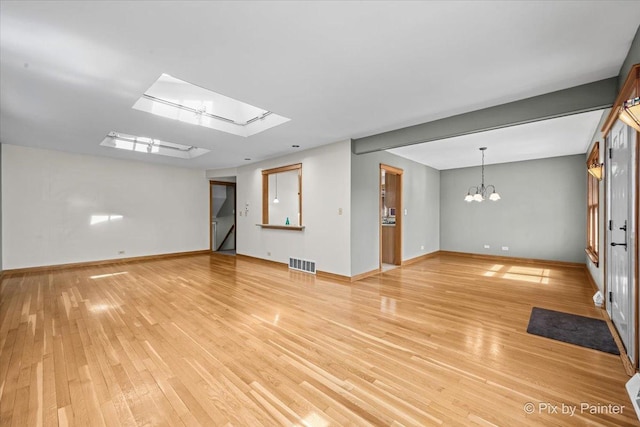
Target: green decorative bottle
{"x": 287, "y": 223}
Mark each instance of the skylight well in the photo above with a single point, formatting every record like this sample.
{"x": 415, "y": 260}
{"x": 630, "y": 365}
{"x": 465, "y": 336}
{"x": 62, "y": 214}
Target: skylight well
{"x": 179, "y": 100}
{"x": 142, "y": 144}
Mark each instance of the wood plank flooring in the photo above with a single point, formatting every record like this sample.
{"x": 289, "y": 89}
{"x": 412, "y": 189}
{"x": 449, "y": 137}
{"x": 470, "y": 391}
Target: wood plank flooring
{"x": 218, "y": 340}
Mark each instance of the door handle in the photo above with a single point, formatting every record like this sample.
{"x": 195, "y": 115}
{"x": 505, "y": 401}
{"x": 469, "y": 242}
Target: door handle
{"x": 619, "y": 244}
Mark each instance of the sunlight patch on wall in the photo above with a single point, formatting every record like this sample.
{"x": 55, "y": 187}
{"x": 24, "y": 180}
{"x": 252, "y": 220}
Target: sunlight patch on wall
{"x": 97, "y": 219}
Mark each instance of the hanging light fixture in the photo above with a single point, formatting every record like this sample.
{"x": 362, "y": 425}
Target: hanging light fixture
{"x": 630, "y": 113}
{"x": 276, "y": 198}
{"x": 479, "y": 193}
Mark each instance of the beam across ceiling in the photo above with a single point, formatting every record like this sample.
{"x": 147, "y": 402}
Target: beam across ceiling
{"x": 579, "y": 99}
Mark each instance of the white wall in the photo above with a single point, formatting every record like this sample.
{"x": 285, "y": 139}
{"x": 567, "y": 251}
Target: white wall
{"x": 326, "y": 172}
{"x": 225, "y": 175}
{"x": 542, "y": 213}
{"x": 49, "y": 199}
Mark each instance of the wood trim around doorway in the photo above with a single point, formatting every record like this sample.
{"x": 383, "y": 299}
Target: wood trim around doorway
{"x": 399, "y": 213}
{"x": 235, "y": 202}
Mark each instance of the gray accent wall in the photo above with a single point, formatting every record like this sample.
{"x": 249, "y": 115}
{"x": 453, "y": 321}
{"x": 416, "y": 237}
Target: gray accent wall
{"x": 579, "y": 99}
{"x": 633, "y": 57}
{"x": 542, "y": 213}
{"x": 1, "y": 244}
{"x": 421, "y": 199}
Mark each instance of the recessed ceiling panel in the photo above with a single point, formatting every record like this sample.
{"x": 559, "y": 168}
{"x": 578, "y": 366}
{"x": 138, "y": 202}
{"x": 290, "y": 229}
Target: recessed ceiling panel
{"x": 146, "y": 145}
{"x": 179, "y": 100}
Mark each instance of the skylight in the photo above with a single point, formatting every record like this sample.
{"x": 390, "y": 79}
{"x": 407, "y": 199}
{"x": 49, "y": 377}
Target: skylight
{"x": 141, "y": 144}
{"x": 179, "y": 100}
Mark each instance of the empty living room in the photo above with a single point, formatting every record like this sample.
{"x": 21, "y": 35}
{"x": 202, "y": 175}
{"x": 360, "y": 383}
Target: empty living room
{"x": 313, "y": 213}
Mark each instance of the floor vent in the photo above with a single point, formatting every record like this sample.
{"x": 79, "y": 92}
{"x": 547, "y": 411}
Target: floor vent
{"x": 302, "y": 265}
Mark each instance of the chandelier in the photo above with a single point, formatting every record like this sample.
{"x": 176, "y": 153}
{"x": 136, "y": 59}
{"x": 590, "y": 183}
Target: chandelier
{"x": 479, "y": 193}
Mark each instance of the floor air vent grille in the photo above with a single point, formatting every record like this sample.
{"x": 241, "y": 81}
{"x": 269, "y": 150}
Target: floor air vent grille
{"x": 302, "y": 265}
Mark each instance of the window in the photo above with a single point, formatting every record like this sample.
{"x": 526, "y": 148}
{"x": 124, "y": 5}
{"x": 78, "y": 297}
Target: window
{"x": 592, "y": 205}
{"x": 282, "y": 197}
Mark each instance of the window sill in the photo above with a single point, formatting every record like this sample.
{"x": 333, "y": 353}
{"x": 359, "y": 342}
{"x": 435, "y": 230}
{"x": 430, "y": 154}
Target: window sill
{"x": 592, "y": 256}
{"x": 282, "y": 227}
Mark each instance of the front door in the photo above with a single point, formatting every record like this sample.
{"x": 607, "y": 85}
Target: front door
{"x": 620, "y": 244}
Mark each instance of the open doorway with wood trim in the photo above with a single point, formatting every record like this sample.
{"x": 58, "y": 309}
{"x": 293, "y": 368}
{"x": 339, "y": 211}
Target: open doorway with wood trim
{"x": 390, "y": 217}
{"x": 222, "y": 213}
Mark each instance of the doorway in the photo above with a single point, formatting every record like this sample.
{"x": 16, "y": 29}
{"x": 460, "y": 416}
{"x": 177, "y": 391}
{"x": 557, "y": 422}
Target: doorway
{"x": 222, "y": 211}
{"x": 390, "y": 179}
{"x": 621, "y": 235}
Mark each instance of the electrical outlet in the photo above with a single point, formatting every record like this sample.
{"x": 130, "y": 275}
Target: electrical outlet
{"x": 268, "y": 253}
{"x": 120, "y": 252}
{"x": 422, "y": 247}
{"x": 487, "y": 246}
{"x": 505, "y": 248}
{"x": 240, "y": 213}
{"x": 339, "y": 211}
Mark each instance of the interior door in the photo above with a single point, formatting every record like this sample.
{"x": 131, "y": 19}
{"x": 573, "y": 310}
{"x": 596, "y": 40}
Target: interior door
{"x": 620, "y": 245}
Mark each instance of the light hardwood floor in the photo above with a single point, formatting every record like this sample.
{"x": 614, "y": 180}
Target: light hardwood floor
{"x": 217, "y": 340}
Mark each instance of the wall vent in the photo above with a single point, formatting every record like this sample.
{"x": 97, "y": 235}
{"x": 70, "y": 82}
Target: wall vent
{"x": 302, "y": 265}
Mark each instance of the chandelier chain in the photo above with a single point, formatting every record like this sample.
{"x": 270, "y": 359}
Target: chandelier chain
{"x": 482, "y": 169}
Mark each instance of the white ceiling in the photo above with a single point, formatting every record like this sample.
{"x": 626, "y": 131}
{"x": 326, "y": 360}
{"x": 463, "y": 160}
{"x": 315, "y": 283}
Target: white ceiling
{"x": 71, "y": 71}
{"x": 562, "y": 136}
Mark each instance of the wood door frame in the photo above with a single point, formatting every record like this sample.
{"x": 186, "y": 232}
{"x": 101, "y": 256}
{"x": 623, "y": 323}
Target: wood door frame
{"x": 397, "y": 244}
{"x": 235, "y": 219}
{"x": 631, "y": 89}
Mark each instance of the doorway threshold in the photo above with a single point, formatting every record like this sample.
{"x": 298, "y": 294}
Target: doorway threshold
{"x": 226, "y": 252}
{"x": 387, "y": 267}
